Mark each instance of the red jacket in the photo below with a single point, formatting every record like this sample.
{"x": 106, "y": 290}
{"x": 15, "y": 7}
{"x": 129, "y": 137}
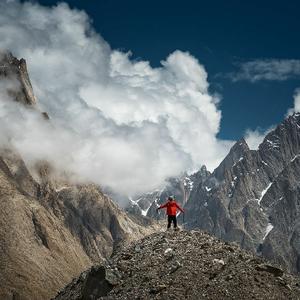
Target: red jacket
{"x": 172, "y": 207}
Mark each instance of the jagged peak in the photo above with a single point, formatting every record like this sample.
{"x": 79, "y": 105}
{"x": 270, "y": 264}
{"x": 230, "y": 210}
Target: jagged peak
{"x": 240, "y": 145}
{"x": 293, "y": 119}
{"x": 7, "y": 59}
{"x": 203, "y": 169}
{"x": 275, "y": 138}
{"x": 237, "y": 150}
{"x": 236, "y": 154}
{"x": 11, "y": 67}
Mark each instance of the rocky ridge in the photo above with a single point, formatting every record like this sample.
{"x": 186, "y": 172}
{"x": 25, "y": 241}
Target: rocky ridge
{"x": 183, "y": 265}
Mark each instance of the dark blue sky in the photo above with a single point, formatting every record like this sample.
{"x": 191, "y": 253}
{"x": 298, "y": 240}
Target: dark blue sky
{"x": 220, "y": 34}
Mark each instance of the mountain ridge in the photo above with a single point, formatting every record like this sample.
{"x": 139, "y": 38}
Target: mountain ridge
{"x": 182, "y": 265}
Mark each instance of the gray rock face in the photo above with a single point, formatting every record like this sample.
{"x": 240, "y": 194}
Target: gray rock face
{"x": 253, "y": 197}
{"x": 36, "y": 247}
{"x": 13, "y": 69}
{"x": 181, "y": 188}
{"x": 183, "y": 265}
{"x": 52, "y": 230}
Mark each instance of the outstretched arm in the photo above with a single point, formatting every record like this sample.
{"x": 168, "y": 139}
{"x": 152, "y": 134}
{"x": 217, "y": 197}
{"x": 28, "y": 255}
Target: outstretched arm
{"x": 182, "y": 210}
{"x": 163, "y": 206}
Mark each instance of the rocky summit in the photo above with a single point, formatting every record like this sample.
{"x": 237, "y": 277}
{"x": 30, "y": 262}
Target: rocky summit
{"x": 16, "y": 71}
{"x": 183, "y": 265}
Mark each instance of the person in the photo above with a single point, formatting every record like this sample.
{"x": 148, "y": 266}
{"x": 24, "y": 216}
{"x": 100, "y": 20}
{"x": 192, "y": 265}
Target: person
{"x": 172, "y": 207}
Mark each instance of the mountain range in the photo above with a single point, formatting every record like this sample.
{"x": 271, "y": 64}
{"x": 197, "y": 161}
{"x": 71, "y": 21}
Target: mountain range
{"x": 53, "y": 229}
{"x": 251, "y": 198}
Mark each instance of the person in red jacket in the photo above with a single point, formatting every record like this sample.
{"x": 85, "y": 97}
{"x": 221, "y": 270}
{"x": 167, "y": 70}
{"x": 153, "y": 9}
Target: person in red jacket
{"x": 172, "y": 207}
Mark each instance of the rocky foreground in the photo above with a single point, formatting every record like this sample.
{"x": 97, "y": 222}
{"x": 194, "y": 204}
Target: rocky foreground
{"x": 183, "y": 265}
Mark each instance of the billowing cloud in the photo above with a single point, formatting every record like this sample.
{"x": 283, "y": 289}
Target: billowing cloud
{"x": 296, "y": 108}
{"x": 114, "y": 121}
{"x": 267, "y": 69}
{"x": 255, "y": 137}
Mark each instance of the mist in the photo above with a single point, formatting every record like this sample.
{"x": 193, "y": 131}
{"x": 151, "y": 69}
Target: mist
{"x": 115, "y": 121}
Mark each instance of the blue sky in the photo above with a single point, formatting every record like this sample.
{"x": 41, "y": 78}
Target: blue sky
{"x": 222, "y": 35}
{"x": 129, "y": 122}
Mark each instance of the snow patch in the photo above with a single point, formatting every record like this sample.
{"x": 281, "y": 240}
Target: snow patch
{"x": 274, "y": 145}
{"x": 62, "y": 188}
{"x": 155, "y": 201}
{"x": 295, "y": 157}
{"x": 268, "y": 230}
{"x": 264, "y": 192}
{"x": 188, "y": 183}
{"x": 218, "y": 261}
{"x": 240, "y": 159}
{"x": 207, "y": 188}
{"x": 133, "y": 202}
{"x": 145, "y": 211}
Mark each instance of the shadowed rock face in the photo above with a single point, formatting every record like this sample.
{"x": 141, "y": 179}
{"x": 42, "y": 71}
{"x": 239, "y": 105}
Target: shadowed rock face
{"x": 38, "y": 253}
{"x": 253, "y": 197}
{"x": 250, "y": 198}
{"x": 50, "y": 233}
{"x": 183, "y": 265}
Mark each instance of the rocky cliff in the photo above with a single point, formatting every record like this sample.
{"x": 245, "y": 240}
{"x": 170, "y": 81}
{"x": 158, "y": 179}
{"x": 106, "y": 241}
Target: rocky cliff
{"x": 16, "y": 71}
{"x": 38, "y": 253}
{"x": 252, "y": 197}
{"x": 50, "y": 228}
{"x": 183, "y": 265}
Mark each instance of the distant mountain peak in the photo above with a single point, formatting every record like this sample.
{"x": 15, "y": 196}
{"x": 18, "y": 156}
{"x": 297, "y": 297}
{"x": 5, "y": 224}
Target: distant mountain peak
{"x": 240, "y": 145}
{"x": 236, "y": 154}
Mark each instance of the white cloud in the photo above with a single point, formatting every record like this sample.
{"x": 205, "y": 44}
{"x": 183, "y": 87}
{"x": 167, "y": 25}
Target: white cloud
{"x": 296, "y": 108}
{"x": 255, "y": 137}
{"x": 267, "y": 69}
{"x": 114, "y": 121}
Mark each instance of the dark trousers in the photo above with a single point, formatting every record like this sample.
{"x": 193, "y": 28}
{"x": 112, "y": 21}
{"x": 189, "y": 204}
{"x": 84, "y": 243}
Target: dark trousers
{"x": 172, "y": 219}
